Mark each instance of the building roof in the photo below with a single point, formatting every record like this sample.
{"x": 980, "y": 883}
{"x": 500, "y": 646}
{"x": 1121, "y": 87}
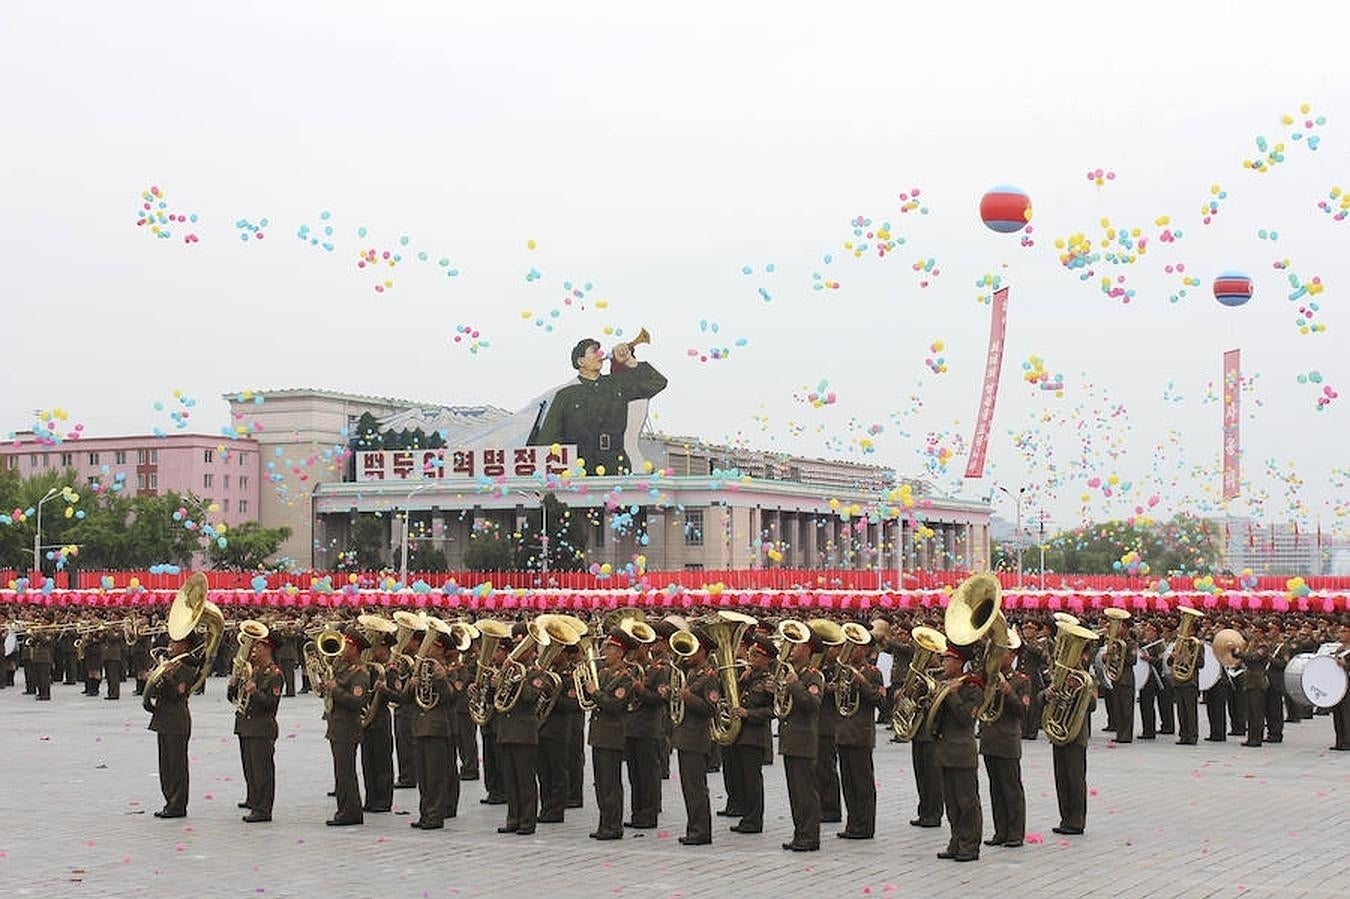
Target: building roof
{"x": 25, "y": 441}
{"x": 233, "y": 396}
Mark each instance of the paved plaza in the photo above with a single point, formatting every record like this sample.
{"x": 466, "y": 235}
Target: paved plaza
{"x": 80, "y": 783}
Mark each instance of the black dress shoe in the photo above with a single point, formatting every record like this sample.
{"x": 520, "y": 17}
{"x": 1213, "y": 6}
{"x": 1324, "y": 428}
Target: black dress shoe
{"x": 849, "y": 835}
{"x": 739, "y": 828}
{"x": 573, "y": 805}
{"x": 801, "y": 847}
{"x": 601, "y": 835}
{"x": 376, "y": 808}
{"x": 729, "y": 813}
{"x": 550, "y": 819}
{"x": 508, "y": 828}
{"x": 524, "y": 831}
{"x": 165, "y": 813}
{"x": 243, "y": 805}
{"x": 254, "y": 818}
{"x": 919, "y": 822}
{"x": 1215, "y": 740}
{"x": 835, "y": 820}
{"x": 1012, "y": 844}
{"x": 471, "y": 776}
{"x": 695, "y": 841}
{"x": 996, "y": 841}
{"x": 1339, "y": 748}
{"x": 967, "y": 857}
{"x": 1068, "y": 831}
{"x": 332, "y": 792}
{"x": 640, "y": 826}
{"x": 1237, "y": 733}
{"x": 492, "y": 800}
{"x": 1250, "y": 743}
{"x": 1274, "y": 739}
{"x": 430, "y": 825}
{"x": 1185, "y": 742}
{"x": 401, "y": 785}
{"x": 946, "y": 855}
{"x": 343, "y": 822}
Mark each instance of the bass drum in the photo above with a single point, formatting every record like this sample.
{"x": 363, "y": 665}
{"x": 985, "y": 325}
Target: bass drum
{"x": 1315, "y": 680}
{"x": 11, "y": 643}
{"x": 1142, "y": 672}
{"x": 1206, "y": 677}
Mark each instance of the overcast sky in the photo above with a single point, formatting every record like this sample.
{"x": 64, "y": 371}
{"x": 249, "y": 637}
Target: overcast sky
{"x": 655, "y": 152}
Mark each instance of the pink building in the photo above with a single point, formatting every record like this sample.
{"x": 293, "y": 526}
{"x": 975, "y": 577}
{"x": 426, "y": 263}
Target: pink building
{"x": 223, "y": 471}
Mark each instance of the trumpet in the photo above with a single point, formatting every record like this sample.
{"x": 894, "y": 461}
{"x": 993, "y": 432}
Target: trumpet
{"x": 790, "y": 633}
{"x": 847, "y": 698}
{"x": 684, "y": 644}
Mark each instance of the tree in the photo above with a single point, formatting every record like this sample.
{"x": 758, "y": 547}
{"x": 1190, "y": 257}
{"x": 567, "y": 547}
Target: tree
{"x": 568, "y": 536}
{"x": 248, "y": 546}
{"x": 489, "y": 552}
{"x": 422, "y": 557}
{"x": 365, "y": 545}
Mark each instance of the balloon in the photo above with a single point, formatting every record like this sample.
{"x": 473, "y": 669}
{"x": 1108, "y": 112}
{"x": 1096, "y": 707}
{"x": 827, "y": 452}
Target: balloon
{"x": 1005, "y": 209}
{"x": 1233, "y": 288}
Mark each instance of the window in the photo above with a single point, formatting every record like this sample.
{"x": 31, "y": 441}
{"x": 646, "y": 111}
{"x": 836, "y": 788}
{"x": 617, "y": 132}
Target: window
{"x": 120, "y": 457}
{"x": 12, "y": 463}
{"x": 32, "y": 460}
{"x": 226, "y": 481}
{"x": 154, "y": 456}
{"x": 241, "y": 458}
{"x": 154, "y": 481}
{"x": 225, "y": 506}
{"x": 208, "y": 456}
{"x": 693, "y": 527}
{"x": 243, "y": 507}
{"x": 93, "y": 458}
{"x": 243, "y": 482}
{"x": 142, "y": 456}
{"x": 207, "y": 481}
{"x": 140, "y": 482}
{"x": 67, "y": 460}
{"x": 46, "y": 460}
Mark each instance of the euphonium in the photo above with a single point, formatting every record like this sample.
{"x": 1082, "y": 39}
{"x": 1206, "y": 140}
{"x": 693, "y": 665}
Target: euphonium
{"x": 725, "y": 630}
{"x": 846, "y": 696}
{"x": 1186, "y": 651}
{"x": 991, "y": 707}
{"x": 683, "y": 644}
{"x": 790, "y": 633}
{"x": 561, "y": 634}
{"x": 491, "y": 633}
{"x": 641, "y": 631}
{"x": 586, "y": 672}
{"x": 918, "y": 687}
{"x": 424, "y": 688}
{"x": 408, "y": 623}
{"x": 320, "y": 654}
{"x": 1071, "y": 686}
{"x": 250, "y": 632}
{"x": 511, "y": 678}
{"x": 375, "y": 628}
{"x": 1113, "y": 658}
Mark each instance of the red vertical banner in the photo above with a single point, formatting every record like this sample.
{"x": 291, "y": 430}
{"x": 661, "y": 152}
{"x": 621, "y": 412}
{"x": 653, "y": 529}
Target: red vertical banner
{"x": 993, "y": 369}
{"x": 1232, "y": 416}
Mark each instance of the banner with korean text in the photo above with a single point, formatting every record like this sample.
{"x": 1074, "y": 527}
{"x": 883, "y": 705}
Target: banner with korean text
{"x": 463, "y": 464}
{"x": 1232, "y": 416}
{"x": 993, "y": 369}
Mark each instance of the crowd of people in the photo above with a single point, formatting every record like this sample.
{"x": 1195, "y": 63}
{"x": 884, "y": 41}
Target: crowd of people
{"x": 429, "y": 704}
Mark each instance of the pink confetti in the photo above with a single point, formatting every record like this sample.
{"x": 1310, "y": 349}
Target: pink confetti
{"x": 1063, "y": 844}
{"x": 1093, "y": 791}
{"x": 178, "y": 848}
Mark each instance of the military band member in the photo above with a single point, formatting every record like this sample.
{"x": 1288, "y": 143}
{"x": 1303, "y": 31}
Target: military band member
{"x": 466, "y": 731}
{"x": 692, "y": 741}
{"x": 347, "y": 689}
{"x": 518, "y": 748}
{"x": 827, "y": 754}
{"x": 1167, "y": 696}
{"x": 377, "y": 741}
{"x": 114, "y": 644}
{"x": 431, "y": 729}
{"x": 1031, "y": 661}
{"x": 40, "y": 646}
{"x": 958, "y": 757}
{"x": 576, "y": 735}
{"x": 1340, "y": 714}
{"x": 642, "y": 736}
{"x": 855, "y": 740}
{"x": 1001, "y": 746}
{"x": 91, "y": 645}
{"x": 66, "y": 654}
{"x": 554, "y": 733}
{"x": 1150, "y": 695}
{"x": 756, "y": 712}
{"x": 927, "y": 773}
{"x": 1255, "y": 658}
{"x": 1281, "y": 651}
{"x": 1122, "y": 692}
{"x": 611, "y": 696}
{"x": 1071, "y": 775}
{"x": 288, "y": 656}
{"x": 798, "y": 743}
{"x": 172, "y": 723}
{"x": 256, "y": 726}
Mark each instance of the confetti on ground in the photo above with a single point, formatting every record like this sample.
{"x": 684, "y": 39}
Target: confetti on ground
{"x": 159, "y": 219}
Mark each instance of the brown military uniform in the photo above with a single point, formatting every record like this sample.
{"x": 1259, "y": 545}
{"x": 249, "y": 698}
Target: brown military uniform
{"x": 607, "y": 745}
{"x": 748, "y": 750}
{"x": 518, "y": 755}
{"x": 435, "y": 769}
{"x": 172, "y": 722}
{"x": 855, "y": 739}
{"x": 1001, "y": 746}
{"x": 798, "y": 743}
{"x": 256, "y": 728}
{"x": 344, "y": 735}
{"x": 692, "y": 741}
{"x": 957, "y": 756}
{"x": 643, "y": 732}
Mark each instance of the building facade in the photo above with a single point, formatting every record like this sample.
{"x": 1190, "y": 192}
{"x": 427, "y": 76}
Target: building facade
{"x": 224, "y": 472}
{"x": 1278, "y": 548}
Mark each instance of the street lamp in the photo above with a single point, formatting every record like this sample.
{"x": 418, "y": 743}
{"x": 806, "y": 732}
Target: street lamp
{"x": 538, "y": 496}
{"x": 37, "y": 534}
{"x": 403, "y": 577}
{"x": 1017, "y": 542}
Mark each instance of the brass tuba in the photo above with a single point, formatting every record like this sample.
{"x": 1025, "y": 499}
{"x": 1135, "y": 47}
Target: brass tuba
{"x": 320, "y": 654}
{"x": 1113, "y": 656}
{"x": 726, "y": 630}
{"x": 375, "y": 628}
{"x": 918, "y": 687}
{"x": 1187, "y": 649}
{"x": 511, "y": 678}
{"x": 250, "y": 632}
{"x": 975, "y": 616}
{"x": 1071, "y": 685}
{"x": 790, "y": 633}
{"x": 490, "y": 633}
{"x": 190, "y": 610}
{"x": 587, "y": 670}
{"x": 562, "y": 633}
{"x": 683, "y": 644}
{"x": 846, "y": 695}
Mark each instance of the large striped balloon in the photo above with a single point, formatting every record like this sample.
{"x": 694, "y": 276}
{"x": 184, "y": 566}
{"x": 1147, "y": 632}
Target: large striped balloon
{"x": 1233, "y": 288}
{"x": 1005, "y": 209}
